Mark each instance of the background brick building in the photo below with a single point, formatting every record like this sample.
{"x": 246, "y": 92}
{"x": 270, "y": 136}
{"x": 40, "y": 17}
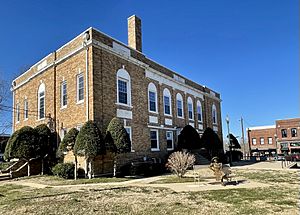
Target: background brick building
{"x": 95, "y": 77}
{"x": 282, "y": 137}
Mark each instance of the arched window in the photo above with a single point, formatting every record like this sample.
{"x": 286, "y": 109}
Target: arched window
{"x": 167, "y": 102}
{"x": 179, "y": 102}
{"x": 152, "y": 98}
{"x": 41, "y": 101}
{"x": 123, "y": 87}
{"x": 214, "y": 114}
{"x": 190, "y": 108}
{"x": 199, "y": 111}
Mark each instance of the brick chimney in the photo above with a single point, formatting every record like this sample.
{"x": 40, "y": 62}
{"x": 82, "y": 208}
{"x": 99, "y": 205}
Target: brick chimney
{"x": 135, "y": 33}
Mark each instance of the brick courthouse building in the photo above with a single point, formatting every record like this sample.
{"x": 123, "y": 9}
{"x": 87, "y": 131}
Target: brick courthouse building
{"x": 95, "y": 77}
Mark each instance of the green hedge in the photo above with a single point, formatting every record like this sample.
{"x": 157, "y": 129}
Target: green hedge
{"x": 64, "y": 170}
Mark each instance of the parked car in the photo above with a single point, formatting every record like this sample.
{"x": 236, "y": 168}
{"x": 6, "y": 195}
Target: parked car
{"x": 293, "y": 157}
{"x": 280, "y": 157}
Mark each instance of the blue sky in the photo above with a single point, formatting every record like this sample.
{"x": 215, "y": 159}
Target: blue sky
{"x": 246, "y": 50}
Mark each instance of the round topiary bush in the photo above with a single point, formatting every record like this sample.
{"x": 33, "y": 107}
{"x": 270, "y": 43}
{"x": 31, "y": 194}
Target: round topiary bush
{"x": 64, "y": 170}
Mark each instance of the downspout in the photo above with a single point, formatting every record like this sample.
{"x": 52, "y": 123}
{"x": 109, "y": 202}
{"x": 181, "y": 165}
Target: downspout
{"x": 13, "y": 112}
{"x": 86, "y": 38}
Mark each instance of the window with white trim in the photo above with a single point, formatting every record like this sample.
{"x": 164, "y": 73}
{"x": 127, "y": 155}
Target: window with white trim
{"x": 80, "y": 88}
{"x": 63, "y": 132}
{"x": 18, "y": 112}
{"x": 253, "y": 141}
{"x": 152, "y": 98}
{"x": 262, "y": 141}
{"x": 199, "y": 111}
{"x": 154, "y": 140}
{"x": 129, "y": 132}
{"x": 283, "y": 133}
{"x": 294, "y": 132}
{"x": 25, "y": 109}
{"x": 123, "y": 87}
{"x": 270, "y": 140}
{"x": 167, "y": 102}
{"x": 179, "y": 102}
{"x": 190, "y": 108}
{"x": 169, "y": 137}
{"x": 214, "y": 114}
{"x": 41, "y": 101}
{"x": 63, "y": 93}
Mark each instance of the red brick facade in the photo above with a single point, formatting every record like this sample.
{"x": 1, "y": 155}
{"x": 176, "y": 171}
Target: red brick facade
{"x": 284, "y": 136}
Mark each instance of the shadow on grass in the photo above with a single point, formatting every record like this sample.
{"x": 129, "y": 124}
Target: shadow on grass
{"x": 233, "y": 182}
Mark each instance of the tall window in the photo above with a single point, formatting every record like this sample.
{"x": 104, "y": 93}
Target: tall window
{"x": 262, "y": 141}
{"x": 283, "y": 133}
{"x": 80, "y": 88}
{"x": 294, "y": 132}
{"x": 154, "y": 140}
{"x": 214, "y": 114}
{"x": 169, "y": 136}
{"x": 179, "y": 102}
{"x": 190, "y": 108}
{"x": 270, "y": 140}
{"x": 25, "y": 109}
{"x": 253, "y": 141}
{"x": 199, "y": 111}
{"x": 41, "y": 101}
{"x": 18, "y": 112}
{"x": 152, "y": 93}
{"x": 128, "y": 130}
{"x": 167, "y": 102}
{"x": 123, "y": 87}
{"x": 63, "y": 99}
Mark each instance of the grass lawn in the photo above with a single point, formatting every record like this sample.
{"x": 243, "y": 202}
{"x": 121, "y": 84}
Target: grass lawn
{"x": 174, "y": 179}
{"x": 282, "y": 197}
{"x": 54, "y": 180}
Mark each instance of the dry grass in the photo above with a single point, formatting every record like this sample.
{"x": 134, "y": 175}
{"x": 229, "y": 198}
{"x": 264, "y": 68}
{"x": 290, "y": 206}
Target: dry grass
{"x": 279, "y": 198}
{"x": 54, "y": 180}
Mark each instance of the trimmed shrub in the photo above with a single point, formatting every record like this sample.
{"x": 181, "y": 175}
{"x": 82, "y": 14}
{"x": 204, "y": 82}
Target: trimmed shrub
{"x": 89, "y": 143}
{"x": 179, "y": 162}
{"x": 64, "y": 170}
{"x": 211, "y": 141}
{"x": 68, "y": 142}
{"x": 117, "y": 138}
{"x": 7, "y": 152}
{"x": 188, "y": 138}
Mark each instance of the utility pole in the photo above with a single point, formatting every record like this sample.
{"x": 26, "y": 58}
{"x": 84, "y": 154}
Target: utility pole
{"x": 243, "y": 137}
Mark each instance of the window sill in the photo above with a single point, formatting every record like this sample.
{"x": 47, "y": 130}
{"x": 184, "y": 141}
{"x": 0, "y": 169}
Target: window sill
{"x": 200, "y": 122}
{"x": 180, "y": 117}
{"x": 26, "y": 119}
{"x": 153, "y": 112}
{"x": 17, "y": 122}
{"x": 191, "y": 120}
{"x": 41, "y": 119}
{"x": 63, "y": 107}
{"x": 170, "y": 149}
{"x": 168, "y": 115}
{"x": 125, "y": 105}
{"x": 80, "y": 102}
{"x": 132, "y": 151}
{"x": 216, "y": 124}
{"x": 155, "y": 150}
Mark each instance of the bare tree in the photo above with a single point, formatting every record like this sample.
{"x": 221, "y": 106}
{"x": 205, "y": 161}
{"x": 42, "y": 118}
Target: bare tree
{"x": 179, "y": 162}
{"x": 5, "y": 124}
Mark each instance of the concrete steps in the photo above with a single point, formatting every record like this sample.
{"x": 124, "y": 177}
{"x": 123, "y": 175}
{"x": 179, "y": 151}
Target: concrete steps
{"x": 200, "y": 160}
{"x": 4, "y": 176}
